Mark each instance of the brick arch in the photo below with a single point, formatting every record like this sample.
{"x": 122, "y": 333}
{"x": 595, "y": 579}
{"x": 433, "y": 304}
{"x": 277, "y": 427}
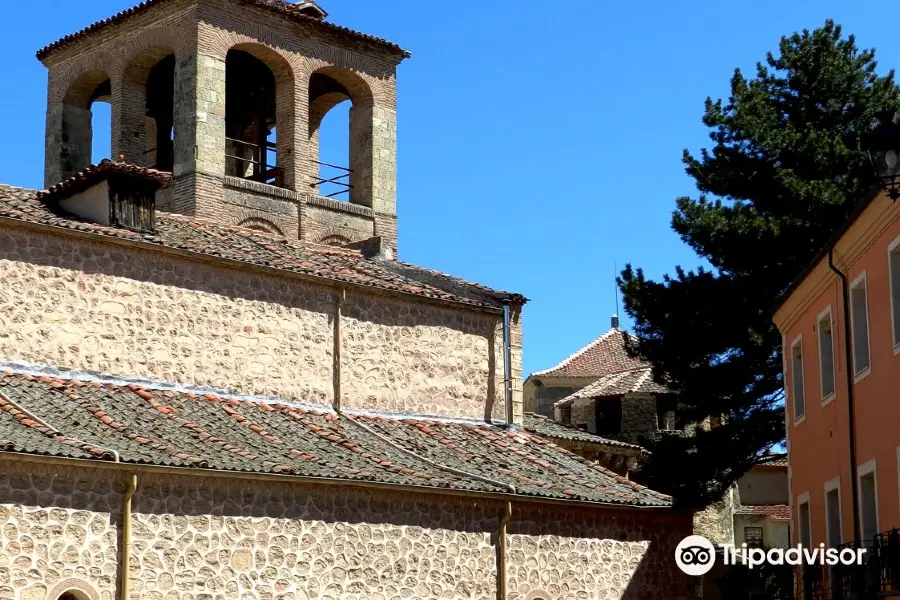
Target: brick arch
{"x": 63, "y": 78}
{"x": 358, "y": 88}
{"x": 334, "y": 240}
{"x": 75, "y": 587}
{"x": 80, "y": 91}
{"x": 261, "y": 225}
{"x": 334, "y": 234}
{"x": 155, "y": 41}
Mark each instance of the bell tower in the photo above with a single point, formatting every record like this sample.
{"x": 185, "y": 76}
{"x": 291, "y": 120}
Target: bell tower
{"x": 229, "y": 95}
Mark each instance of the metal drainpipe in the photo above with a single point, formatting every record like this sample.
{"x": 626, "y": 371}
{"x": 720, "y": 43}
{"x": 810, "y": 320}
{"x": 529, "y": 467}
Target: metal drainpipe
{"x": 848, "y": 350}
{"x": 124, "y": 567}
{"x": 507, "y": 366}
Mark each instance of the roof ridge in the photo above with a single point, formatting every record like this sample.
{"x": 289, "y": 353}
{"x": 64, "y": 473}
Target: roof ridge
{"x": 578, "y": 353}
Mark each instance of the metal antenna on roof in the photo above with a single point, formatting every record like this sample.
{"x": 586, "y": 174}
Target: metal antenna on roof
{"x": 615, "y": 317}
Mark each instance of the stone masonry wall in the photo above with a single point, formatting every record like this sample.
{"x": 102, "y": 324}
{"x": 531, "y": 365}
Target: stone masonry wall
{"x": 100, "y": 307}
{"x": 59, "y": 526}
{"x": 199, "y": 538}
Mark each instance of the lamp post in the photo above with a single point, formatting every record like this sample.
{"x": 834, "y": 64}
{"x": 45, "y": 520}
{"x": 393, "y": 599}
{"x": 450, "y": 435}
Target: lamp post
{"x": 882, "y": 145}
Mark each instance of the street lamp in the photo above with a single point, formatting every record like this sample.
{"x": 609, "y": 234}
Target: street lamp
{"x": 882, "y": 145}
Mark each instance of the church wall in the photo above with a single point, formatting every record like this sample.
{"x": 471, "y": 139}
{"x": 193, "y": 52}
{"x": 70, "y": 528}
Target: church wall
{"x": 102, "y": 307}
{"x": 195, "y": 538}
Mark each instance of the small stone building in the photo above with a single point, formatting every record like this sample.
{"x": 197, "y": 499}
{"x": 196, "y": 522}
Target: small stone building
{"x": 216, "y": 383}
{"x": 602, "y": 390}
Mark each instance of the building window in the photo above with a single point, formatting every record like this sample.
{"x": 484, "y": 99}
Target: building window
{"x": 859, "y": 316}
{"x": 826, "y": 354}
{"x": 894, "y": 273}
{"x": 868, "y": 501}
{"x": 753, "y": 536}
{"x": 803, "y": 518}
{"x": 797, "y": 379}
{"x": 833, "y": 527}
{"x": 609, "y": 416}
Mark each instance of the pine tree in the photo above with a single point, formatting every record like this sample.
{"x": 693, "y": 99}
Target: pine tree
{"x": 784, "y": 171}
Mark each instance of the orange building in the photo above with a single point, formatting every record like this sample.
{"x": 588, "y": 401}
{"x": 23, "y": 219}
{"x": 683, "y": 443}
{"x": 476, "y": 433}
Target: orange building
{"x": 843, "y": 445}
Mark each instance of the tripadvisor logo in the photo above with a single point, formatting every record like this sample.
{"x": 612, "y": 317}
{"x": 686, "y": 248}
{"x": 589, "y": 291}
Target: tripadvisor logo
{"x": 696, "y": 555}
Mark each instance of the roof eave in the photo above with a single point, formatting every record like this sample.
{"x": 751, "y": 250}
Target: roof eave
{"x": 823, "y": 253}
{"x": 123, "y": 16}
{"x": 311, "y": 480}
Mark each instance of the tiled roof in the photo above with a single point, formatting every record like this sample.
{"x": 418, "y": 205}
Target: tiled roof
{"x": 603, "y": 356}
{"x": 638, "y": 381}
{"x": 773, "y": 512}
{"x": 778, "y": 461}
{"x": 278, "y": 7}
{"x": 547, "y": 427}
{"x": 337, "y": 265}
{"x": 94, "y": 174}
{"x": 94, "y": 420}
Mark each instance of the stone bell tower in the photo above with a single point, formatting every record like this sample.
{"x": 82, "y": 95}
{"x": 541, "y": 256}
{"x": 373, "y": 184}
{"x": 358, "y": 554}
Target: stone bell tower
{"x": 229, "y": 95}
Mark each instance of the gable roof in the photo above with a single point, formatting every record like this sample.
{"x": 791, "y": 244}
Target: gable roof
{"x": 636, "y": 381}
{"x": 279, "y": 8}
{"x": 547, "y": 427}
{"x": 603, "y": 356}
{"x": 91, "y": 420}
{"x": 237, "y": 244}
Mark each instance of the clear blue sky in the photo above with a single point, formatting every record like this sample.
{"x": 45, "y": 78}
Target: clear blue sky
{"x": 539, "y": 142}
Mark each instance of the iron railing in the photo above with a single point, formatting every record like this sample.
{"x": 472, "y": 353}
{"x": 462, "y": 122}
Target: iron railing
{"x": 262, "y": 171}
{"x": 341, "y": 182}
{"x": 877, "y": 577}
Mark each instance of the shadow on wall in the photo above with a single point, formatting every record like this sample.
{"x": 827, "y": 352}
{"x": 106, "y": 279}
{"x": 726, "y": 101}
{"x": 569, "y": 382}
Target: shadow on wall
{"x": 604, "y": 553}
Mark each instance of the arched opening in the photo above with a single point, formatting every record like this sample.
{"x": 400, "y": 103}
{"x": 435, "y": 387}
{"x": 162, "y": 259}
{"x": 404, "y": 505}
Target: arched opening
{"x": 160, "y": 122}
{"x": 258, "y": 99}
{"x": 86, "y": 130}
{"x": 340, "y": 134}
{"x": 147, "y": 135}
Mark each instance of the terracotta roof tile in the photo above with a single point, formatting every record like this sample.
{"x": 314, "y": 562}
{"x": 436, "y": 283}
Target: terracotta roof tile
{"x": 211, "y": 239}
{"x": 94, "y": 174}
{"x": 603, "y": 356}
{"x": 638, "y": 381}
{"x": 774, "y": 461}
{"x": 182, "y": 429}
{"x": 279, "y": 7}
{"x": 549, "y": 428}
{"x": 773, "y": 512}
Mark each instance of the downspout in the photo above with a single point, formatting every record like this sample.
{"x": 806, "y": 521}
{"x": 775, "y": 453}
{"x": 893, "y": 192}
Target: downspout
{"x": 507, "y": 367}
{"x": 124, "y": 566}
{"x": 848, "y": 367}
{"x": 126, "y": 502}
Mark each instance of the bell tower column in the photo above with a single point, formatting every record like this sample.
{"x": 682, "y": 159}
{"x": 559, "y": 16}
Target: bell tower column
{"x": 199, "y": 134}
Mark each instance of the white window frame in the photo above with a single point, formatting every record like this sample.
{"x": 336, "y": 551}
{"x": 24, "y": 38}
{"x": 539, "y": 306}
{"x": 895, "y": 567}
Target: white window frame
{"x": 868, "y": 468}
{"x": 826, "y": 398}
{"x": 859, "y": 375}
{"x": 801, "y": 500}
{"x": 830, "y": 486}
{"x": 798, "y": 341}
{"x": 892, "y": 248}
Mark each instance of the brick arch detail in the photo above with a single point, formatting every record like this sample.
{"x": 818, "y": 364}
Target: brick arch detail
{"x": 64, "y": 78}
{"x": 155, "y": 41}
{"x": 261, "y": 223}
{"x": 334, "y": 233}
{"x": 269, "y": 47}
{"x": 537, "y": 595}
{"x": 83, "y": 590}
